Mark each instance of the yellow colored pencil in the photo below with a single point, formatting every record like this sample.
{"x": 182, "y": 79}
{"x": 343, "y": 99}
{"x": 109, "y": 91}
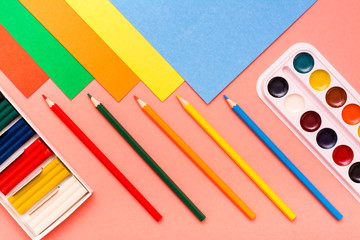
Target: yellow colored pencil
{"x": 196, "y": 159}
{"x": 236, "y": 157}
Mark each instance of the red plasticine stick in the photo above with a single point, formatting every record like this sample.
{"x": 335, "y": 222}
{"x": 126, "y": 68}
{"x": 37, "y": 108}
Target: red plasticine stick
{"x": 24, "y": 165}
{"x": 32, "y": 162}
{"x": 103, "y": 159}
{"x": 13, "y": 167}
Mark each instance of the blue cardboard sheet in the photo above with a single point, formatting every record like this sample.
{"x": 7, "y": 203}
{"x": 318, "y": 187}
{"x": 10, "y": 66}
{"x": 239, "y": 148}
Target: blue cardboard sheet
{"x": 210, "y": 42}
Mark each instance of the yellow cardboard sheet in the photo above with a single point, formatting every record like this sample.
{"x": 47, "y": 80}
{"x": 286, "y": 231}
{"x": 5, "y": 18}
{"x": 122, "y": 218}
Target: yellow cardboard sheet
{"x": 129, "y": 45}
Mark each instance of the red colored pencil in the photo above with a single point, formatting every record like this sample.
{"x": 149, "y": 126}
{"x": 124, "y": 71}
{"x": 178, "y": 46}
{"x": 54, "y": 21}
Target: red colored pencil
{"x": 28, "y": 164}
{"x": 103, "y": 159}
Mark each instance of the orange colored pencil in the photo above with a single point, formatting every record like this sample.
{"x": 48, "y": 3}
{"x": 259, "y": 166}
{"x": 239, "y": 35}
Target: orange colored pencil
{"x": 196, "y": 159}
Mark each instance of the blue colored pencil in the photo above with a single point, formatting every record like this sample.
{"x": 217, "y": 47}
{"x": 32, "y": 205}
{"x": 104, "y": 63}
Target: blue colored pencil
{"x": 285, "y": 160}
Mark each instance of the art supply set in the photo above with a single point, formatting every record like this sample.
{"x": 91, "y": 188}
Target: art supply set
{"x": 117, "y": 45}
{"x": 319, "y": 106}
{"x": 37, "y": 186}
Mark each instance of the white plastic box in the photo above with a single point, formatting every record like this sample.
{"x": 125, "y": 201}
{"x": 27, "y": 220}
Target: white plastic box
{"x": 3, "y": 198}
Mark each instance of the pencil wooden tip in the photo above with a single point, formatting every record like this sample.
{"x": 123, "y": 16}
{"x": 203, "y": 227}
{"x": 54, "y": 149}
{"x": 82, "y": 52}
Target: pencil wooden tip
{"x": 136, "y": 98}
{"x": 48, "y": 101}
{"x": 89, "y": 95}
{"x": 183, "y": 102}
{"x": 140, "y": 102}
{"x": 230, "y": 102}
{"x": 94, "y": 101}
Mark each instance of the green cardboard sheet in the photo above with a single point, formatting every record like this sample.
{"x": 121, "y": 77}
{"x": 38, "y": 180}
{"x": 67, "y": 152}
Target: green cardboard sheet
{"x": 48, "y": 53}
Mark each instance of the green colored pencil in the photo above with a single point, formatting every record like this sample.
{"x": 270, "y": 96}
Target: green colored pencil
{"x": 157, "y": 169}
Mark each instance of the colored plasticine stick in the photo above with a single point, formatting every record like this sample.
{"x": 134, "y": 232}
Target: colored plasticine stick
{"x": 8, "y": 119}
{"x": 18, "y": 66}
{"x": 12, "y": 135}
{"x": 23, "y": 166}
{"x": 146, "y": 157}
{"x": 237, "y": 159}
{"x": 196, "y": 159}
{"x": 68, "y": 193}
{"x": 48, "y": 53}
{"x": 16, "y": 145}
{"x": 12, "y": 130}
{"x": 50, "y": 184}
{"x": 26, "y": 171}
{"x": 42, "y": 209}
{"x": 63, "y": 207}
{"x": 14, "y": 166}
{"x": 4, "y": 112}
{"x": 103, "y": 159}
{"x": 7, "y": 113}
{"x": 284, "y": 159}
{"x": 4, "y": 104}
{"x": 19, "y": 126}
{"x": 39, "y": 187}
{"x": 20, "y": 197}
{"x": 85, "y": 45}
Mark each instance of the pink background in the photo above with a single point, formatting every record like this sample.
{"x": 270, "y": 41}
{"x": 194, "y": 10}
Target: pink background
{"x": 333, "y": 27}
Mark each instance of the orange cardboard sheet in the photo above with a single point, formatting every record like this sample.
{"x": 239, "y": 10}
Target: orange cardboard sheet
{"x": 18, "y": 66}
{"x": 84, "y": 44}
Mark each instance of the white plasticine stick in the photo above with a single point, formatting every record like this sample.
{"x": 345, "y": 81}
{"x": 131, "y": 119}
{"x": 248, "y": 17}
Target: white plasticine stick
{"x": 54, "y": 206}
{"x": 65, "y": 190}
{"x": 63, "y": 186}
{"x": 59, "y": 211}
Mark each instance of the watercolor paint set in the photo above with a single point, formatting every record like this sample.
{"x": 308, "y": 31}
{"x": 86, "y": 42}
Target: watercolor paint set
{"x": 319, "y": 106}
{"x": 37, "y": 186}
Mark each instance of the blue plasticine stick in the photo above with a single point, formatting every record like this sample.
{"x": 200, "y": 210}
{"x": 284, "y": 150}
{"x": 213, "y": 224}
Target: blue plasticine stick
{"x": 11, "y": 131}
{"x": 15, "y": 142}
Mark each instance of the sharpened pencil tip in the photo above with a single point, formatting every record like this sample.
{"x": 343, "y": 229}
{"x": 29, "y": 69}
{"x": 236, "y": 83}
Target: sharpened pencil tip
{"x": 178, "y": 96}
{"x": 182, "y": 101}
{"x": 94, "y": 101}
{"x": 230, "y": 102}
{"x": 140, "y": 102}
{"x": 89, "y": 95}
{"x": 44, "y": 96}
{"x": 136, "y": 98}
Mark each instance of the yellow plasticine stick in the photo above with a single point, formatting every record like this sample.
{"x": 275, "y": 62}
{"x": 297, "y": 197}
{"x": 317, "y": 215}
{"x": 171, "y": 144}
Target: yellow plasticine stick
{"x": 129, "y": 45}
{"x": 40, "y": 182}
{"x": 43, "y": 191}
{"x": 33, "y": 182}
{"x": 237, "y": 159}
{"x": 65, "y": 188}
{"x": 46, "y": 181}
